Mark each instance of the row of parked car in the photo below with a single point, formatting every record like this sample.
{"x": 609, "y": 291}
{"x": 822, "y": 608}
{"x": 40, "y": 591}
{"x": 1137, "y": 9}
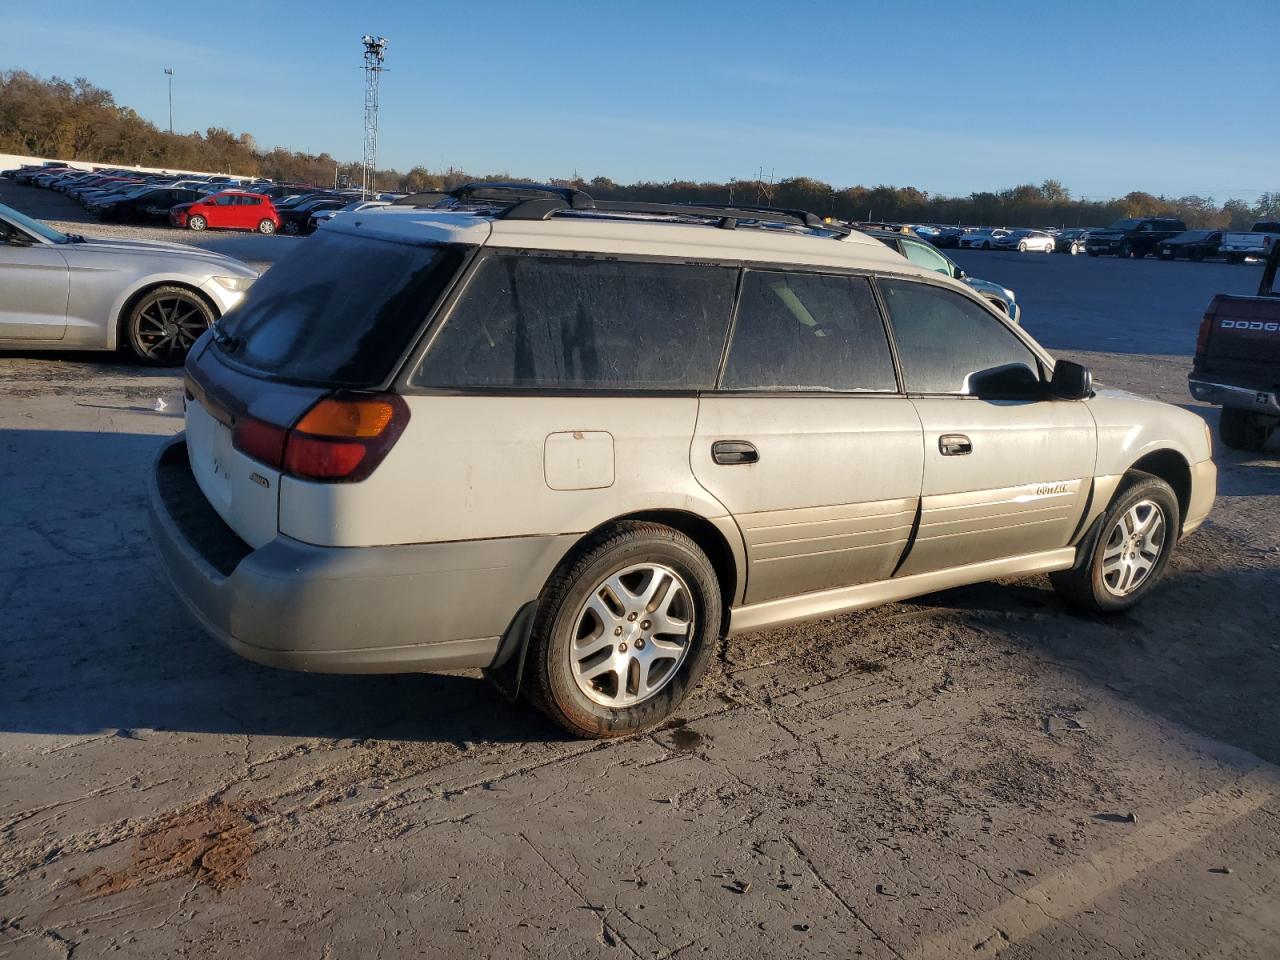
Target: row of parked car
{"x": 194, "y": 201}
{"x": 1165, "y": 238}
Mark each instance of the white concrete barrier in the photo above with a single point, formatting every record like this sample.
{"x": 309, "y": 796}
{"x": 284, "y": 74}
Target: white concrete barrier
{"x": 10, "y": 160}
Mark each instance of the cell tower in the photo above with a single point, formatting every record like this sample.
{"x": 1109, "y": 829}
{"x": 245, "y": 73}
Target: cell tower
{"x": 375, "y": 51}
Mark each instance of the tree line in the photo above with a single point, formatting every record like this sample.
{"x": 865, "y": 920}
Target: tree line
{"x": 75, "y": 120}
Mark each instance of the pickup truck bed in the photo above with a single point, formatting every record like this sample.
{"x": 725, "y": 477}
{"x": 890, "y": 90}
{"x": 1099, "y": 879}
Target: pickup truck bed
{"x": 1237, "y": 362}
{"x": 1237, "y": 244}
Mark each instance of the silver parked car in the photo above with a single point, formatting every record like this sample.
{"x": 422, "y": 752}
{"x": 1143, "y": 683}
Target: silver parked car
{"x": 61, "y": 291}
{"x": 576, "y": 442}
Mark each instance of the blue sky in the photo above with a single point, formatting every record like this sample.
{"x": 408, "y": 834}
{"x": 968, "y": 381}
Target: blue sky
{"x": 1172, "y": 97}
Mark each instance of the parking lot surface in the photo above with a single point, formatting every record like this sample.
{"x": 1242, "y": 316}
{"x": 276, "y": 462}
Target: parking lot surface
{"x": 975, "y": 773}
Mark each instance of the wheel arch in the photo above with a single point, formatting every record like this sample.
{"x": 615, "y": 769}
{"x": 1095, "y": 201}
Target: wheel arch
{"x": 1171, "y": 467}
{"x": 130, "y": 300}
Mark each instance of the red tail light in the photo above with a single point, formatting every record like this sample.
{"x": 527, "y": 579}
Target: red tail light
{"x": 1202, "y": 337}
{"x": 261, "y": 440}
{"x": 339, "y": 440}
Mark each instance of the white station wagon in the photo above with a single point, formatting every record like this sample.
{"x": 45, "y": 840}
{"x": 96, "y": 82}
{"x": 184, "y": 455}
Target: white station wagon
{"x": 577, "y": 442}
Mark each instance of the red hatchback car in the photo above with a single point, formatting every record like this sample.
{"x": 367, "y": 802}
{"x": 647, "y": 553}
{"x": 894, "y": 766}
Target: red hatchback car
{"x": 229, "y": 209}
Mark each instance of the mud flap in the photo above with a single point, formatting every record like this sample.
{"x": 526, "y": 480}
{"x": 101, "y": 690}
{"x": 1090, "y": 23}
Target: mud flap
{"x": 507, "y": 669}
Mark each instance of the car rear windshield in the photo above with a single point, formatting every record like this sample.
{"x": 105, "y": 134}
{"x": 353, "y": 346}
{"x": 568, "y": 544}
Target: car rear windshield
{"x": 339, "y": 309}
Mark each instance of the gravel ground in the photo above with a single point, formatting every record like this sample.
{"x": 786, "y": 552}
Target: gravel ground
{"x": 974, "y": 773}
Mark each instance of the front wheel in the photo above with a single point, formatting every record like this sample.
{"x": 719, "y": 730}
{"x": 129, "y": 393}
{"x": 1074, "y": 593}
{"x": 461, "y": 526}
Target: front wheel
{"x": 196, "y": 223}
{"x": 291, "y": 228}
{"x": 1126, "y": 249}
{"x": 266, "y": 227}
{"x": 164, "y": 324}
{"x": 1022, "y": 247}
{"x": 1129, "y": 550}
{"x": 1242, "y": 430}
{"x": 624, "y": 631}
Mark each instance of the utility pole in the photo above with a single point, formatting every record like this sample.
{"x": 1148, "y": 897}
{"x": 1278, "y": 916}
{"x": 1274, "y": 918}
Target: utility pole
{"x": 375, "y": 51}
{"x": 169, "y": 73}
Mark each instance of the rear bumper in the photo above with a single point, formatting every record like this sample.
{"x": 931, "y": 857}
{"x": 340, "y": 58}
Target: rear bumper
{"x": 1229, "y": 395}
{"x": 394, "y": 609}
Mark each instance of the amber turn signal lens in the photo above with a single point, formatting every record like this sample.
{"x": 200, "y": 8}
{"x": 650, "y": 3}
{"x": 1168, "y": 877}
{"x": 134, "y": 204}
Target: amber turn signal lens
{"x": 347, "y": 418}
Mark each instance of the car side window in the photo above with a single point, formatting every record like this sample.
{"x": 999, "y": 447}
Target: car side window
{"x": 581, "y": 324}
{"x": 924, "y": 256}
{"x": 808, "y": 331}
{"x": 946, "y": 342}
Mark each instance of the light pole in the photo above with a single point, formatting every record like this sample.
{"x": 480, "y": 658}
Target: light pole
{"x": 169, "y": 73}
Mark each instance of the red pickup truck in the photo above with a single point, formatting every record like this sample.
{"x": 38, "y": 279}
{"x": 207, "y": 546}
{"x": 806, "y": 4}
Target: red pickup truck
{"x": 1237, "y": 361}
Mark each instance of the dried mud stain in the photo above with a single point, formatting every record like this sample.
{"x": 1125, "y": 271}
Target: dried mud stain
{"x": 210, "y": 843}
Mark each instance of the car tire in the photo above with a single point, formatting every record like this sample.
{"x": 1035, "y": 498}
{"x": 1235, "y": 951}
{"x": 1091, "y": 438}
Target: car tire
{"x": 1126, "y": 250}
{"x": 266, "y": 227}
{"x": 1243, "y": 430}
{"x": 1022, "y": 246}
{"x": 583, "y": 625}
{"x": 1127, "y": 549}
{"x": 291, "y": 228}
{"x": 196, "y": 222}
{"x": 162, "y": 325}
{"x": 986, "y": 245}
{"x": 1197, "y": 254}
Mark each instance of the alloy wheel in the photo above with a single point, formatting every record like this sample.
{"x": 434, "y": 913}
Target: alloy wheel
{"x": 168, "y": 326}
{"x": 632, "y": 635}
{"x": 1134, "y": 545}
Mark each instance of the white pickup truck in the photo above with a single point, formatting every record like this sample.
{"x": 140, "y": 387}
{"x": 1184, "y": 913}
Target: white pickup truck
{"x": 1238, "y": 244}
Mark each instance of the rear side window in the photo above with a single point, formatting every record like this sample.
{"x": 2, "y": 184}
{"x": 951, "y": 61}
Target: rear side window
{"x": 803, "y": 331}
{"x": 572, "y": 323}
{"x": 339, "y": 309}
{"x": 945, "y": 340}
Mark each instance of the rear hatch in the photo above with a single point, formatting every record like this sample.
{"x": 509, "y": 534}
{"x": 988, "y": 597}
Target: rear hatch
{"x": 1240, "y": 341}
{"x": 333, "y": 319}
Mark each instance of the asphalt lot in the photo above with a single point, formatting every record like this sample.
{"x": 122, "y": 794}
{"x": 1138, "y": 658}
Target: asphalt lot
{"x": 974, "y": 773}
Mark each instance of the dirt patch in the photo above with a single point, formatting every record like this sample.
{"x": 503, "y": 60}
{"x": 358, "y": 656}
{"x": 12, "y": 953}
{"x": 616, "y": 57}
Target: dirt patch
{"x": 210, "y": 843}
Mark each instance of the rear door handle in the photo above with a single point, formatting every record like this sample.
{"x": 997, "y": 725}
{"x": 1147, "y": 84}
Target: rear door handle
{"x": 955, "y": 445}
{"x": 728, "y": 452}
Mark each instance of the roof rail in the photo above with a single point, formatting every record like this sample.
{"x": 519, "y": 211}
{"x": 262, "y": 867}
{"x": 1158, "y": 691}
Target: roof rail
{"x": 537, "y": 201}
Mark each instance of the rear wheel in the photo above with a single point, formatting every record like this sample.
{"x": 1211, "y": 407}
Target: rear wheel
{"x": 196, "y": 222}
{"x": 164, "y": 324}
{"x": 1242, "y": 430}
{"x": 1128, "y": 551}
{"x": 1022, "y": 246}
{"x": 266, "y": 227}
{"x": 1126, "y": 249}
{"x": 624, "y": 631}
{"x": 291, "y": 227}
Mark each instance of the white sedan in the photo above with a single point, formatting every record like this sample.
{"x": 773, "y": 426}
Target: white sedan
{"x": 984, "y": 239}
{"x": 1024, "y": 240}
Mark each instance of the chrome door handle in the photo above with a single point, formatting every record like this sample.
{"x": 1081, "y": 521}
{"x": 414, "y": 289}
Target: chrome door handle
{"x": 728, "y": 452}
{"x": 955, "y": 445}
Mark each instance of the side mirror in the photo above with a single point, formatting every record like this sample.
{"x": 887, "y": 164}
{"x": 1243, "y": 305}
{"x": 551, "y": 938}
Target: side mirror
{"x": 1009, "y": 381}
{"x": 1071, "y": 381}
{"x": 959, "y": 273}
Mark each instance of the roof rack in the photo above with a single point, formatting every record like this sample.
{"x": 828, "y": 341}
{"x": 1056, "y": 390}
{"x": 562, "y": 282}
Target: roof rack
{"x": 536, "y": 201}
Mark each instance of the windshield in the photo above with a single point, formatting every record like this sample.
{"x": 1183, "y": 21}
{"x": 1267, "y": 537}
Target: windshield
{"x": 338, "y": 309}
{"x": 33, "y": 226}
{"x": 1124, "y": 224}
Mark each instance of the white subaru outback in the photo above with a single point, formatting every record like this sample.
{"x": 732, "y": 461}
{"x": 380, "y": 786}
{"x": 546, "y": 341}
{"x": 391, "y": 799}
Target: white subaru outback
{"x": 578, "y": 442}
